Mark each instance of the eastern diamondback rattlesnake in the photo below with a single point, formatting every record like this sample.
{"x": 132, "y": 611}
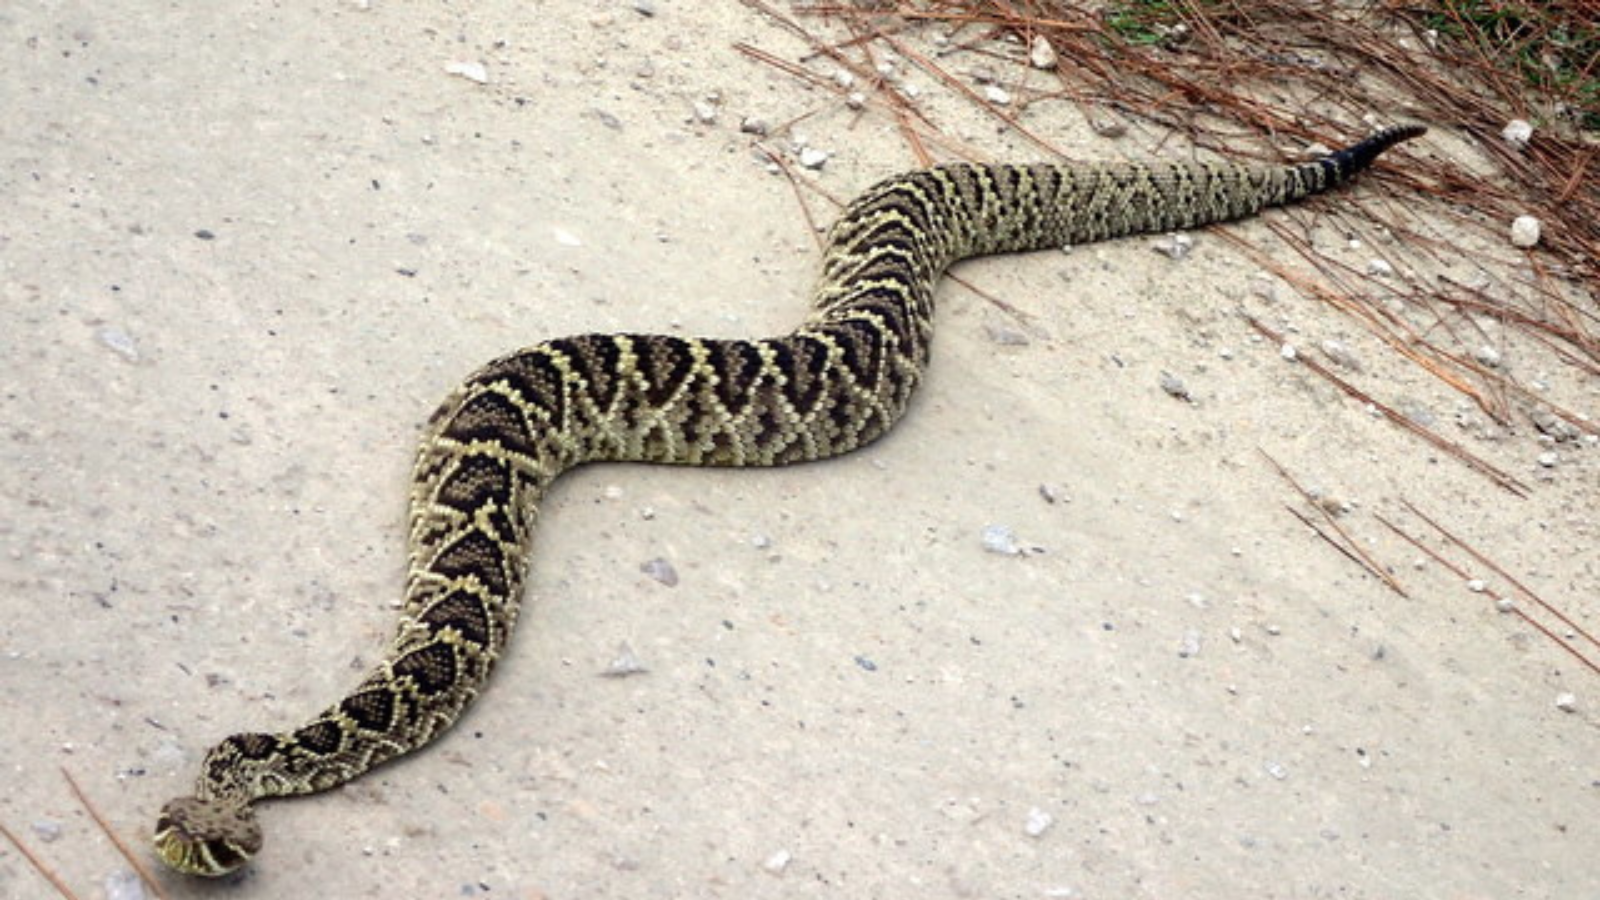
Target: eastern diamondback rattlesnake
{"x": 835, "y": 383}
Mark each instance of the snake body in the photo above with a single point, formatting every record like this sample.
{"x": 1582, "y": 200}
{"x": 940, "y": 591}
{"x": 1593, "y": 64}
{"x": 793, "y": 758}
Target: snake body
{"x": 835, "y": 383}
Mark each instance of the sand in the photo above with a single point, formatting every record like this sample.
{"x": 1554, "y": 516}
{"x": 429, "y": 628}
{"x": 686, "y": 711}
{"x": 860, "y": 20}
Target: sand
{"x": 248, "y": 246}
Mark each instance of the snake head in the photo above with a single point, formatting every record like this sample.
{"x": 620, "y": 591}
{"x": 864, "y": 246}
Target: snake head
{"x": 206, "y": 837}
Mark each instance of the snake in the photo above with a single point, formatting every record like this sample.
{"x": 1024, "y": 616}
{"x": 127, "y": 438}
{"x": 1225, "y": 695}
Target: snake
{"x": 835, "y": 383}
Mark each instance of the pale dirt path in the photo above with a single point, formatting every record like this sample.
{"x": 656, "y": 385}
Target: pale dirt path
{"x": 205, "y": 538}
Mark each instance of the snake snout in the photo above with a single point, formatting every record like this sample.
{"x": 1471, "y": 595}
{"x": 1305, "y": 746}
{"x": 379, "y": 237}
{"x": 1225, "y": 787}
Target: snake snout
{"x": 206, "y": 837}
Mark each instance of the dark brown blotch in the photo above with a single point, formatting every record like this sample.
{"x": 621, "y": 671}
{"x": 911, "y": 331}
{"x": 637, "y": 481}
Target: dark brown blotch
{"x": 474, "y": 554}
{"x": 463, "y": 612}
{"x": 432, "y": 668}
{"x": 370, "y": 710}
{"x": 492, "y": 417}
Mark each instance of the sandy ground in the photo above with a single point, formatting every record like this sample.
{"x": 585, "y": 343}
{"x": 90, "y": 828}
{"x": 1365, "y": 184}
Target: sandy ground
{"x": 247, "y": 247}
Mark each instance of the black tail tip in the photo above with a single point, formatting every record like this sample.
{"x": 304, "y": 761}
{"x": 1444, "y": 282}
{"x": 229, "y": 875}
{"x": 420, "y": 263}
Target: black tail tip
{"x": 1356, "y": 157}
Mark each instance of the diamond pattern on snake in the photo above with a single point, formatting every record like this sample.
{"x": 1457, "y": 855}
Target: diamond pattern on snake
{"x": 835, "y": 383}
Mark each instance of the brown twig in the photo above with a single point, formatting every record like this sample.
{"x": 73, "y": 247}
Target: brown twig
{"x": 1484, "y": 560}
{"x": 105, "y": 827}
{"x": 1346, "y": 544}
{"x": 38, "y": 864}
{"x": 1459, "y": 572}
{"x": 1493, "y": 473}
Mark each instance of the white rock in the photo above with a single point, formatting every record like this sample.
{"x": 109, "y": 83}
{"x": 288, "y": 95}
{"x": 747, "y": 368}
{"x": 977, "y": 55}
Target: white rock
{"x": 997, "y": 95}
{"x": 1548, "y": 459}
{"x": 1517, "y": 133}
{"x": 1525, "y": 231}
{"x": 1567, "y": 702}
{"x": 1380, "y": 267}
{"x": 566, "y": 238}
{"x": 1000, "y": 539}
{"x": 754, "y": 125}
{"x": 625, "y": 663}
{"x": 661, "y": 571}
{"x": 1041, "y": 55}
{"x": 1288, "y": 352}
{"x": 472, "y": 71}
{"x": 1038, "y": 822}
{"x": 777, "y": 862}
{"x": 123, "y": 884}
{"x": 1174, "y": 246}
{"x": 855, "y": 100}
{"x": 1505, "y": 605}
{"x": 812, "y": 158}
{"x": 1488, "y": 355}
{"x": 1341, "y": 355}
{"x": 1477, "y": 585}
{"x": 705, "y": 112}
{"x": 119, "y": 341}
{"x": 1190, "y": 645}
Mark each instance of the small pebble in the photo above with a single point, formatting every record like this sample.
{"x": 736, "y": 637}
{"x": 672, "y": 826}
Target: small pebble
{"x": 997, "y": 95}
{"x": 471, "y": 71}
{"x": 1005, "y": 335}
{"x": 1380, "y": 268}
{"x": 1041, "y": 55}
{"x": 1517, "y": 133}
{"x": 1038, "y": 822}
{"x": 1567, "y": 702}
{"x": 754, "y": 125}
{"x": 1174, "y": 386}
{"x": 1549, "y": 459}
{"x": 1190, "y": 645}
{"x": 646, "y": 8}
{"x": 1277, "y": 770}
{"x": 866, "y": 664}
{"x": 1000, "y": 539}
{"x": 1547, "y": 423}
{"x": 1525, "y": 231}
{"x": 1341, "y": 355}
{"x": 705, "y": 112}
{"x": 625, "y": 663}
{"x": 1288, "y": 352}
{"x": 124, "y": 884}
{"x": 1174, "y": 246}
{"x": 1477, "y": 585}
{"x": 1052, "y": 493}
{"x": 1505, "y": 605}
{"x": 855, "y": 100}
{"x": 661, "y": 570}
{"x": 120, "y": 342}
{"x": 812, "y": 158}
{"x": 777, "y": 862}
{"x": 1487, "y": 355}
{"x": 47, "y": 830}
